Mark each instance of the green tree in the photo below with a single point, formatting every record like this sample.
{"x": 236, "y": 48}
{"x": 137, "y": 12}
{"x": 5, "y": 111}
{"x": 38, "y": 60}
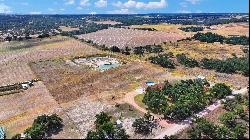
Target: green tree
{"x": 228, "y": 119}
{"x": 102, "y": 118}
{"x": 144, "y": 125}
{"x": 220, "y": 90}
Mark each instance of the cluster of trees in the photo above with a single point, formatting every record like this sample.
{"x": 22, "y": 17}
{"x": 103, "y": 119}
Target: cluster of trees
{"x": 234, "y": 122}
{"x": 42, "y": 127}
{"x": 146, "y": 29}
{"x": 213, "y": 37}
{"x": 145, "y": 124}
{"x": 186, "y": 61}
{"x": 148, "y": 49}
{"x": 238, "y": 40}
{"x": 209, "y": 37}
{"x": 230, "y": 65}
{"x": 106, "y": 129}
{"x": 87, "y": 28}
{"x": 183, "y": 99}
{"x": 163, "y": 60}
{"x": 192, "y": 29}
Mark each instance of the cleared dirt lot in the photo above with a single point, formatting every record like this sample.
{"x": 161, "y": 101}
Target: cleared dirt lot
{"x": 67, "y": 83}
{"x": 17, "y": 111}
{"x": 129, "y": 37}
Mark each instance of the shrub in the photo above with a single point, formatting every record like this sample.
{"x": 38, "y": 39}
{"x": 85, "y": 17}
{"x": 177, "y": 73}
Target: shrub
{"x": 220, "y": 90}
{"x": 188, "y": 62}
{"x": 163, "y": 60}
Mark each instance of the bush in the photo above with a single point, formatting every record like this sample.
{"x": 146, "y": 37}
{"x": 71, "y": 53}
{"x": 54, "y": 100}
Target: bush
{"x": 144, "y": 125}
{"x": 209, "y": 37}
{"x": 43, "y": 126}
{"x": 188, "y": 62}
{"x": 156, "y": 101}
{"x": 220, "y": 90}
{"x": 115, "y": 49}
{"x": 163, "y": 60}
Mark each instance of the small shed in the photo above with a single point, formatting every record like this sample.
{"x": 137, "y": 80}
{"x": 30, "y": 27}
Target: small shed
{"x": 2, "y": 133}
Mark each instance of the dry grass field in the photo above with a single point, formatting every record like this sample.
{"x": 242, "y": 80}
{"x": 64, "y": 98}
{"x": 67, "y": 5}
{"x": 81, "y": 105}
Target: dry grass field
{"x": 130, "y": 38}
{"x": 68, "y": 29}
{"x": 199, "y": 50}
{"x": 169, "y": 28}
{"x": 241, "y": 29}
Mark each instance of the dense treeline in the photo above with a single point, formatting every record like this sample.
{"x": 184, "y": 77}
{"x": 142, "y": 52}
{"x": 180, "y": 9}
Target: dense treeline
{"x": 183, "y": 99}
{"x": 241, "y": 40}
{"x": 147, "y": 49}
{"x": 212, "y": 37}
{"x": 192, "y": 29}
{"x": 186, "y": 61}
{"x": 163, "y": 60}
{"x": 209, "y": 37}
{"x": 230, "y": 65}
{"x": 88, "y": 28}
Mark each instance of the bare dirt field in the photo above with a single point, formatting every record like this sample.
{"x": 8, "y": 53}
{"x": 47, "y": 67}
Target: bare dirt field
{"x": 129, "y": 37}
{"x": 67, "y": 83}
{"x": 18, "y": 111}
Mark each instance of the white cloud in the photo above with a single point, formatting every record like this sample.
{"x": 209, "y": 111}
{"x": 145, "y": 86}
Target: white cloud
{"x": 101, "y": 3}
{"x": 139, "y": 5}
{"x": 122, "y": 11}
{"x": 193, "y": 1}
{"x": 35, "y": 13}
{"x": 84, "y": 3}
{"x": 69, "y": 2}
{"x": 93, "y": 13}
{"x": 5, "y": 9}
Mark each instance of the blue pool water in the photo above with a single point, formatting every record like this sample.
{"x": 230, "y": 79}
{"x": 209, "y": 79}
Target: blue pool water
{"x": 107, "y": 67}
{"x": 150, "y": 83}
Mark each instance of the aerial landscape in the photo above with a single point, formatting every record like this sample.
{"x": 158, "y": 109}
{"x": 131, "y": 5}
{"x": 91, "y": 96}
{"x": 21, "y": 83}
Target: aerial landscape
{"x": 128, "y": 69}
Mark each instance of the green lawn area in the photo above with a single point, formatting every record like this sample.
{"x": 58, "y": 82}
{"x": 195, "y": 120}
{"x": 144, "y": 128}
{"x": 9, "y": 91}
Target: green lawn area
{"x": 138, "y": 100}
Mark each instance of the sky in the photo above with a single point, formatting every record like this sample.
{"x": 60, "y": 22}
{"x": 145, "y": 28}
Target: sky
{"x": 122, "y": 6}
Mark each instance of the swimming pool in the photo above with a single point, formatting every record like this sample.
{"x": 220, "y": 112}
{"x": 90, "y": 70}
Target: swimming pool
{"x": 150, "y": 83}
{"x": 107, "y": 66}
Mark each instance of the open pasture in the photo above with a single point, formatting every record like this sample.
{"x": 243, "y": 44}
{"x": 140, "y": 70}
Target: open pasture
{"x": 241, "y": 29}
{"x": 129, "y": 37}
{"x": 200, "y": 50}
